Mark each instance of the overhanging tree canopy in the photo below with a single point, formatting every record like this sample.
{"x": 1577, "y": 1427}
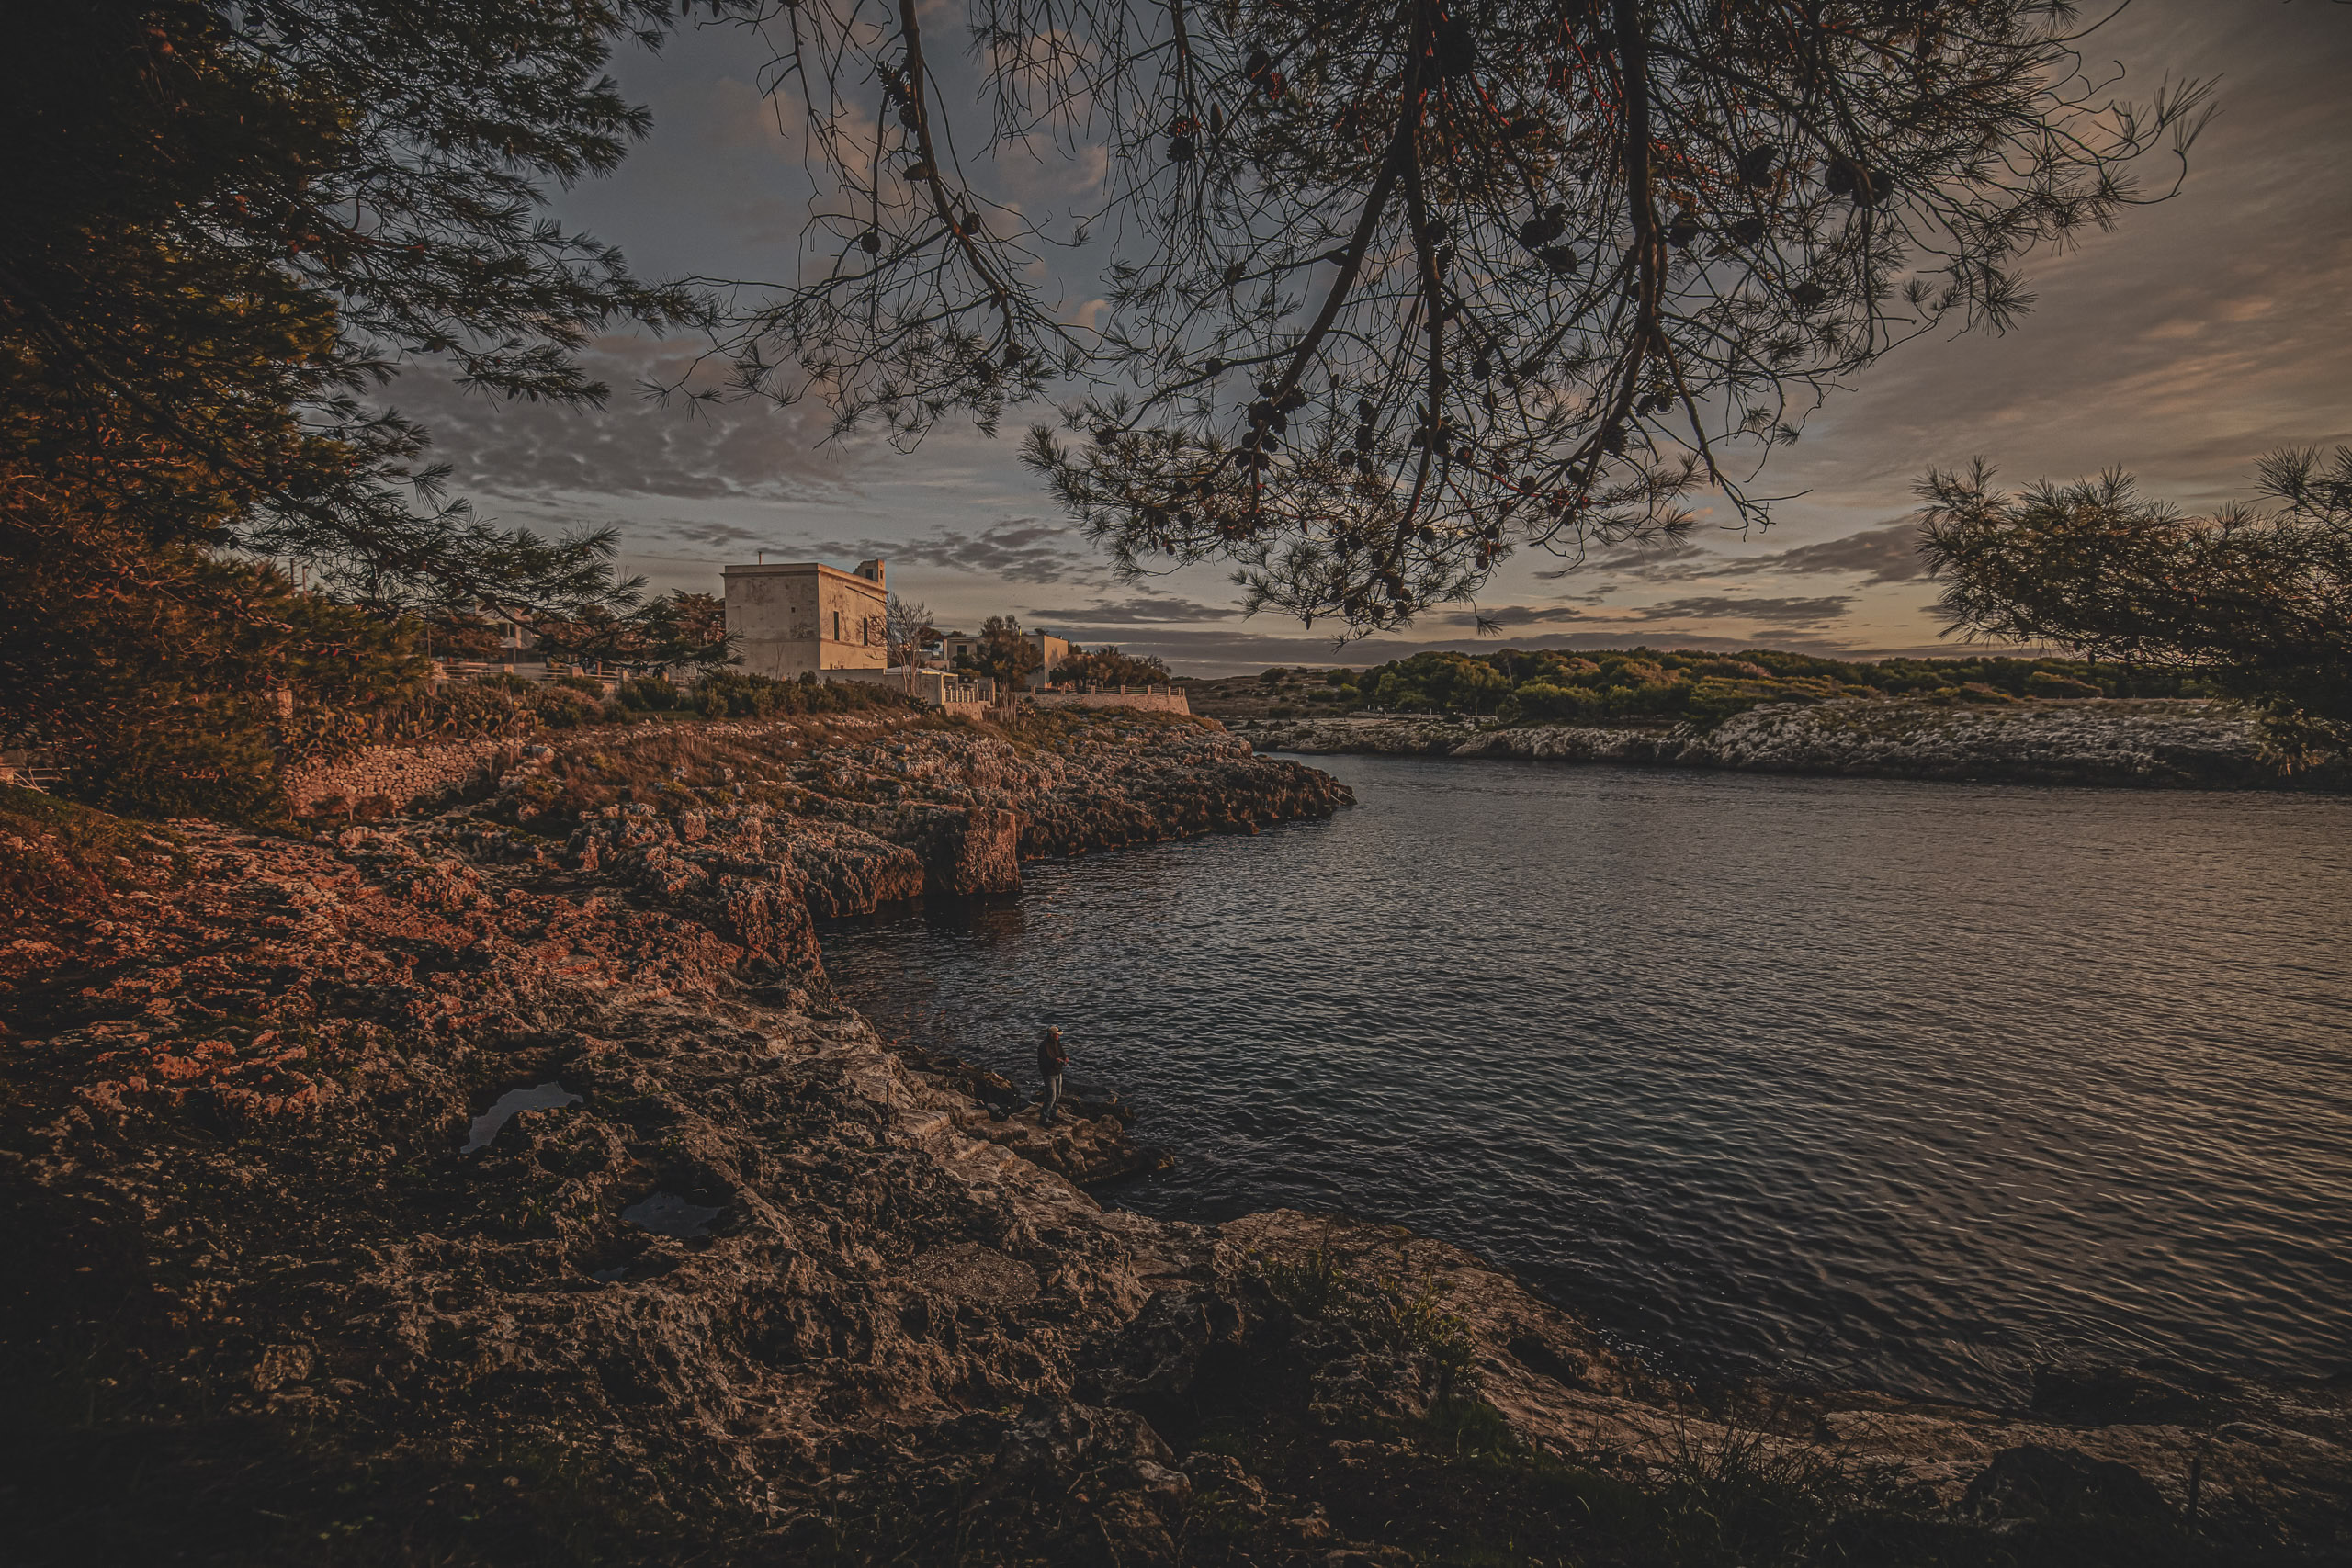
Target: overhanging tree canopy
{"x": 1396, "y": 287}
{"x": 2260, "y": 601}
{"x": 228, "y": 221}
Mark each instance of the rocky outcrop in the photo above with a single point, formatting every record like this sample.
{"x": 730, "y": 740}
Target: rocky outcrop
{"x": 2125, "y": 742}
{"x": 299, "y": 1275}
{"x": 753, "y": 829}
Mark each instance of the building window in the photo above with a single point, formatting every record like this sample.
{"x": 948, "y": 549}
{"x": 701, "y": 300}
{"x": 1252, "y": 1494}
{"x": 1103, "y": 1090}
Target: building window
{"x": 837, "y": 626}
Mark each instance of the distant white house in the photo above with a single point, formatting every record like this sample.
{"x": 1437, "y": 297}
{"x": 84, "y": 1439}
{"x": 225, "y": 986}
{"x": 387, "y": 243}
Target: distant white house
{"x": 806, "y": 618}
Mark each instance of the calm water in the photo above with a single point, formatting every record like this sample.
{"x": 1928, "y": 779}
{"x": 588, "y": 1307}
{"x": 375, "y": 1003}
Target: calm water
{"x": 1903, "y": 1084}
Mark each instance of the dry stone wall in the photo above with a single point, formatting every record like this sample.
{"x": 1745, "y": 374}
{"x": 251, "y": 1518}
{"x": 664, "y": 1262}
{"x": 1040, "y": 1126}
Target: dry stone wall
{"x": 1159, "y": 701}
{"x": 397, "y": 777}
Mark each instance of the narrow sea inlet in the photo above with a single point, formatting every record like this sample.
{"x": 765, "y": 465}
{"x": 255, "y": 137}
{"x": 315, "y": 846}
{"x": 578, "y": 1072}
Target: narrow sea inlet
{"x": 1842, "y": 1081}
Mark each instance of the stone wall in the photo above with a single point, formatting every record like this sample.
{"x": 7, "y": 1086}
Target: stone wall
{"x": 1152, "y": 699}
{"x": 398, "y": 776}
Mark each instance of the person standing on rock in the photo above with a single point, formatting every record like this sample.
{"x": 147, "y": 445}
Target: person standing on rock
{"x": 1051, "y": 1059}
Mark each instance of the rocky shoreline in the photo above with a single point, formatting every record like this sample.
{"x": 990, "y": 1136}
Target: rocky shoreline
{"x": 502, "y": 1183}
{"x": 2142, "y": 743}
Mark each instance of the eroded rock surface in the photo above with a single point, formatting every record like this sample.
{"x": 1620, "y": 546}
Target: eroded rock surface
{"x": 772, "y": 1287}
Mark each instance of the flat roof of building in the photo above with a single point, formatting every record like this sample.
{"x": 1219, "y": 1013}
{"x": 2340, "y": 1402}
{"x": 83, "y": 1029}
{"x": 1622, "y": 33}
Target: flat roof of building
{"x": 763, "y": 568}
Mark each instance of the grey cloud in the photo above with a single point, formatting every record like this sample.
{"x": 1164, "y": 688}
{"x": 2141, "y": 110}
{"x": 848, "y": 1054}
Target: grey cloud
{"x": 635, "y": 445}
{"x": 718, "y": 536}
{"x": 1505, "y": 615}
{"x": 1714, "y": 607}
{"x": 1143, "y": 609}
{"x": 1778, "y": 612}
{"x": 1886, "y": 554}
{"x": 1019, "y": 549}
{"x": 1216, "y": 651}
{"x": 1653, "y": 560}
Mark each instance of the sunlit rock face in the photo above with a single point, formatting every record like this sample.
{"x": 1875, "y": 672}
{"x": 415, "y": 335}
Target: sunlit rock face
{"x": 530, "y": 1187}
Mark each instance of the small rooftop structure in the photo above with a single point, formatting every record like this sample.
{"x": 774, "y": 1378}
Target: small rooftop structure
{"x": 805, "y": 618}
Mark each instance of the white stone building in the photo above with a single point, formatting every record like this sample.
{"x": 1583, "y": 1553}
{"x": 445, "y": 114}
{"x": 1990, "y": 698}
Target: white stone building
{"x": 806, "y": 618}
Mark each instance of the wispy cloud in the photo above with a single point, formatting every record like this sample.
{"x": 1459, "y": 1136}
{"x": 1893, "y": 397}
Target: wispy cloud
{"x": 1781, "y": 612}
{"x": 636, "y": 445}
{"x": 1142, "y": 609}
{"x": 1019, "y": 549}
{"x": 1886, "y": 554}
{"x": 1725, "y": 607}
{"x": 1652, "y": 560}
{"x": 1212, "y": 650}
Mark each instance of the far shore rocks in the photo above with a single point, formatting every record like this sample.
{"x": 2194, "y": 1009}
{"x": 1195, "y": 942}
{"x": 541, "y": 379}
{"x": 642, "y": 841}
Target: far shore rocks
{"x": 2123, "y": 742}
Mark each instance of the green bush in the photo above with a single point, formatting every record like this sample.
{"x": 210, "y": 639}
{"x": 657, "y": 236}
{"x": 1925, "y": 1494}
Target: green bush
{"x": 217, "y": 760}
{"x": 1401, "y": 1309}
{"x": 2050, "y": 683}
{"x": 1569, "y": 704}
{"x": 650, "y": 693}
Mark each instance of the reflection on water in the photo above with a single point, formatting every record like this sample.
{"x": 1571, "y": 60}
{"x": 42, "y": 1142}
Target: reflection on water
{"x": 1907, "y": 1084}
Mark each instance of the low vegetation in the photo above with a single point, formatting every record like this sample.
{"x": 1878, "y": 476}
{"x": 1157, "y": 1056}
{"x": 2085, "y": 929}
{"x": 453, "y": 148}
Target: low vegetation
{"x": 58, "y": 854}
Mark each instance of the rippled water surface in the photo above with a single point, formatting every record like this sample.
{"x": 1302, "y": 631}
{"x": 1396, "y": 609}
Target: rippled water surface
{"x": 1905, "y": 1085}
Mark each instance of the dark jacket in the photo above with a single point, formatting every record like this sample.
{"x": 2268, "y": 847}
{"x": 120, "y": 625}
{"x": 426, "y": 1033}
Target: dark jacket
{"x": 1050, "y": 1057}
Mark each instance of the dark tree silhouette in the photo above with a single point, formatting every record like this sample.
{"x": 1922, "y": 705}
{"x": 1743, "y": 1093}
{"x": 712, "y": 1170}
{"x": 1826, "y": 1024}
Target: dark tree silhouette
{"x": 1394, "y": 288}
{"x": 2259, "y": 601}
{"x": 228, "y": 221}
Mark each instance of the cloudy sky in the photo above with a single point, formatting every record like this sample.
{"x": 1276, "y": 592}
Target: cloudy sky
{"x": 2199, "y": 334}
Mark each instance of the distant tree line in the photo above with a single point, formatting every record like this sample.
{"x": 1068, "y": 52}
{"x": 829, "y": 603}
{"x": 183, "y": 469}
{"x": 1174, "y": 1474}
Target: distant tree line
{"x": 1606, "y": 685}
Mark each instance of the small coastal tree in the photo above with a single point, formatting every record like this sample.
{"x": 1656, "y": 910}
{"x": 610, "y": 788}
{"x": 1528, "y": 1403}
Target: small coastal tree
{"x": 1005, "y": 654}
{"x": 906, "y": 631}
{"x": 680, "y": 631}
{"x": 2257, "y": 602}
{"x": 1111, "y": 667}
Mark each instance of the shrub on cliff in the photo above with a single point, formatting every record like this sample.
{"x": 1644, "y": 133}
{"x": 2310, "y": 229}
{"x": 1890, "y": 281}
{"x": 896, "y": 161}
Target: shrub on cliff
{"x": 1558, "y": 704}
{"x": 731, "y": 693}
